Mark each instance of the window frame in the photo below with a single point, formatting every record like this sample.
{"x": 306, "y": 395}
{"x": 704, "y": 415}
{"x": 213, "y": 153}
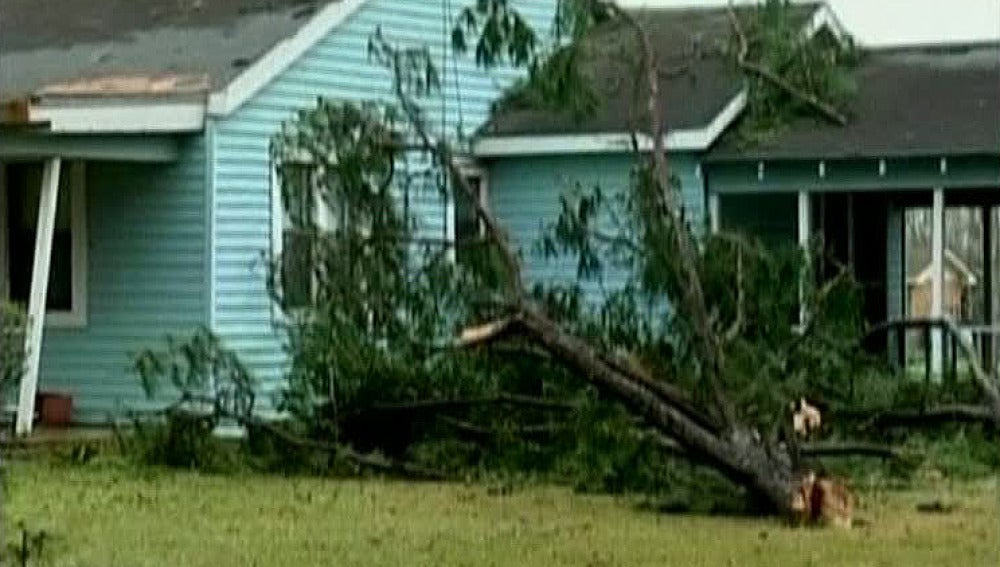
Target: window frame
{"x": 281, "y": 222}
{"x": 468, "y": 170}
{"x": 76, "y": 316}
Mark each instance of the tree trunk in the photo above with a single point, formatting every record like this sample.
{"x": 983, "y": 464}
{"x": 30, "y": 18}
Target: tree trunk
{"x": 737, "y": 452}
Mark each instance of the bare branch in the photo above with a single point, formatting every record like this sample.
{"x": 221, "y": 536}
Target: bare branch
{"x": 833, "y": 449}
{"x": 446, "y": 159}
{"x": 930, "y": 417}
{"x": 482, "y": 431}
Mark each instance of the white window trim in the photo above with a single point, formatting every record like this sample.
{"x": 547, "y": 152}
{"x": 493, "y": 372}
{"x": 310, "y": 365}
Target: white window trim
{"x": 280, "y": 221}
{"x": 77, "y": 316}
{"x": 468, "y": 169}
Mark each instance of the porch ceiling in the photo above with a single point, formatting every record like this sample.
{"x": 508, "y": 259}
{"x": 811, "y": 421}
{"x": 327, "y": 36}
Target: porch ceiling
{"x": 24, "y": 144}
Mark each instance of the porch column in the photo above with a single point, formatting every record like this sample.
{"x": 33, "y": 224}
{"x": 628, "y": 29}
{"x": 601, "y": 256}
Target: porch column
{"x": 895, "y": 280}
{"x": 988, "y": 339}
{"x": 48, "y": 198}
{"x": 714, "y": 213}
{"x": 804, "y": 230}
{"x": 937, "y": 277}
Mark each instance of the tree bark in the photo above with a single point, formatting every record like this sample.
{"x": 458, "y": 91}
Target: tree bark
{"x": 737, "y": 452}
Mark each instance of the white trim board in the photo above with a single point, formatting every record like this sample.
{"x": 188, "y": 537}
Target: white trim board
{"x": 121, "y": 118}
{"x": 280, "y": 57}
{"x": 551, "y": 144}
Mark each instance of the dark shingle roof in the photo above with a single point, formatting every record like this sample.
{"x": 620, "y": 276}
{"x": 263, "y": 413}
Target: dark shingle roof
{"x": 929, "y": 100}
{"x": 691, "y": 100}
{"x": 46, "y": 42}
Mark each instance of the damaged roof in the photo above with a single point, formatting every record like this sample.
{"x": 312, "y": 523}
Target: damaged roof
{"x": 138, "y": 47}
{"x": 696, "y": 83}
{"x": 914, "y": 101}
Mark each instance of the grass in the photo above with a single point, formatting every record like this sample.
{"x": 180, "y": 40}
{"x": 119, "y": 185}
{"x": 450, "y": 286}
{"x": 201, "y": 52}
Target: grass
{"x": 108, "y": 515}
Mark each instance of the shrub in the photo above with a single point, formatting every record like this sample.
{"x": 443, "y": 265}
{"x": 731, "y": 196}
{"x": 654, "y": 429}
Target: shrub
{"x": 12, "y": 328}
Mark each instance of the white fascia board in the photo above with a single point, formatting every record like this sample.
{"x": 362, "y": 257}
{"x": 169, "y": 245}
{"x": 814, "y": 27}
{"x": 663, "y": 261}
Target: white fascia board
{"x": 280, "y": 57}
{"x": 677, "y": 140}
{"x": 121, "y": 118}
{"x": 825, "y": 17}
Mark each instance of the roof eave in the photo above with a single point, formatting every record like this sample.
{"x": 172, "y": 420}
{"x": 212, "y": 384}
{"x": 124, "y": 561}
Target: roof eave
{"x": 691, "y": 139}
{"x": 109, "y": 116}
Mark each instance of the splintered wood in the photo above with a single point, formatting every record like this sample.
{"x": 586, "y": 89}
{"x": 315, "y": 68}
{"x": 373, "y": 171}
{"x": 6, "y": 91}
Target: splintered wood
{"x": 823, "y": 501}
{"x": 485, "y": 333}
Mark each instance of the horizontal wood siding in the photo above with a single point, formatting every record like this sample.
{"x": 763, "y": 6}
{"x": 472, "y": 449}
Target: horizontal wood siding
{"x": 338, "y": 67}
{"x": 524, "y": 194}
{"x": 146, "y": 278}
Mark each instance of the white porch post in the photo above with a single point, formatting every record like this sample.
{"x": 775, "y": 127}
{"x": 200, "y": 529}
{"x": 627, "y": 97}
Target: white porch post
{"x": 714, "y": 213}
{"x": 804, "y": 232}
{"x": 937, "y": 276}
{"x": 48, "y": 199}
{"x": 988, "y": 339}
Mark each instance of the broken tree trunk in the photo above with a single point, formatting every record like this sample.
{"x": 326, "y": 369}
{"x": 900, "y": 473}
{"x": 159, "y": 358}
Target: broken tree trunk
{"x": 737, "y": 452}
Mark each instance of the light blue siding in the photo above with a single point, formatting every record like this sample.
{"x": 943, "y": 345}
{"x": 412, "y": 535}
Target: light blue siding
{"x": 337, "y": 67}
{"x": 146, "y": 278}
{"x": 524, "y": 194}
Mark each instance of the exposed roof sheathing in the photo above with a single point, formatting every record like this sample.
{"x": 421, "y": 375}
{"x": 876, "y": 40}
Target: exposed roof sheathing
{"x": 157, "y": 48}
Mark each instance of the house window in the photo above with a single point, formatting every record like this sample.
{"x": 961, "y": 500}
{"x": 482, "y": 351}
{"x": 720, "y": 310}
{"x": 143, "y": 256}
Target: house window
{"x": 301, "y": 212}
{"x": 20, "y": 189}
{"x": 296, "y": 248}
{"x": 468, "y": 226}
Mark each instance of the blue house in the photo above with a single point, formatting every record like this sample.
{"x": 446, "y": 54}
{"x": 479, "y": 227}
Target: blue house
{"x": 136, "y": 186}
{"x": 922, "y": 132}
{"x": 139, "y": 199}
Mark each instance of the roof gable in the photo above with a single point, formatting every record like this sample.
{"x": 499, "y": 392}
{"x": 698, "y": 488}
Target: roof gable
{"x": 58, "y": 57}
{"x": 46, "y": 43}
{"x": 699, "y": 85}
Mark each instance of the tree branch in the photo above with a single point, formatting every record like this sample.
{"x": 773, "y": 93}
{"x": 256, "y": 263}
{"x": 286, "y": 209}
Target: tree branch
{"x": 425, "y": 406}
{"x": 481, "y": 431}
{"x": 828, "y": 449}
{"x": 930, "y": 417}
{"x": 833, "y": 449}
{"x": 737, "y": 327}
{"x": 693, "y": 295}
{"x": 824, "y": 108}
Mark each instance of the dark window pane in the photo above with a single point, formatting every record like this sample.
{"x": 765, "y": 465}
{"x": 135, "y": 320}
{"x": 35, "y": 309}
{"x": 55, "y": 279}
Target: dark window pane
{"x": 467, "y": 224}
{"x": 296, "y": 275}
{"x": 23, "y": 190}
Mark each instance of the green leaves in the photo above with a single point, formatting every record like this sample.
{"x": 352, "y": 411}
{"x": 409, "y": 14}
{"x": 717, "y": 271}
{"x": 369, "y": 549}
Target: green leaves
{"x": 502, "y": 34}
{"x": 201, "y": 370}
{"x": 818, "y": 65}
{"x": 13, "y": 323}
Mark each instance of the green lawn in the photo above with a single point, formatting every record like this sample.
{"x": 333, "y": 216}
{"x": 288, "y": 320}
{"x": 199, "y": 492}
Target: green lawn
{"x": 105, "y": 515}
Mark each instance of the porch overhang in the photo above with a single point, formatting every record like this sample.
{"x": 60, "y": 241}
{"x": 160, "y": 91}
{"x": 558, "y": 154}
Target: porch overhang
{"x": 871, "y": 173}
{"x": 27, "y": 143}
{"x": 105, "y": 113}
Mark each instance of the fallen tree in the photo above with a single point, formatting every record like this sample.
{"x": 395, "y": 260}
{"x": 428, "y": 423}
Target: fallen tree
{"x": 700, "y": 411}
{"x": 706, "y": 344}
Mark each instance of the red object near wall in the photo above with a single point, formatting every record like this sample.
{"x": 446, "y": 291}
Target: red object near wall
{"x": 55, "y": 409}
